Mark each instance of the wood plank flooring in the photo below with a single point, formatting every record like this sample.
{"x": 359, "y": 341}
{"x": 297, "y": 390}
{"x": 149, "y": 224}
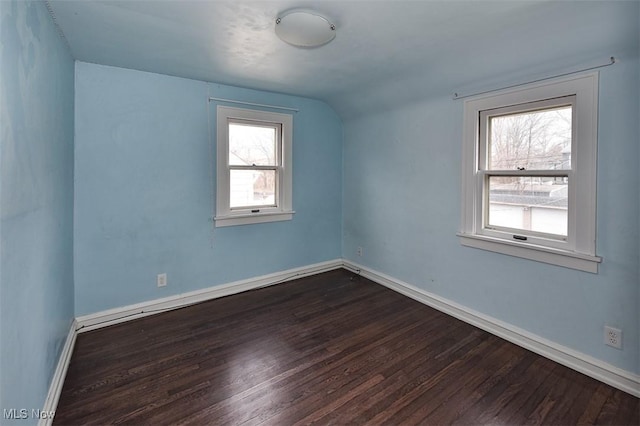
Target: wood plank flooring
{"x": 329, "y": 349}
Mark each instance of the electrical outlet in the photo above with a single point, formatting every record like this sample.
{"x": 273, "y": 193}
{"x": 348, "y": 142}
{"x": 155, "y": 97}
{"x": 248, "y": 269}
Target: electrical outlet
{"x": 162, "y": 280}
{"x": 359, "y": 251}
{"x": 612, "y": 337}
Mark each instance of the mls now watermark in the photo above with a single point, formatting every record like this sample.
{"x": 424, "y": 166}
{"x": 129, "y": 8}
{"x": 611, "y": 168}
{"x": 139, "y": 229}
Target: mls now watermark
{"x": 23, "y": 413}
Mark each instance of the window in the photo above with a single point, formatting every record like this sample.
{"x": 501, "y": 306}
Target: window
{"x": 254, "y": 171}
{"x": 529, "y": 172}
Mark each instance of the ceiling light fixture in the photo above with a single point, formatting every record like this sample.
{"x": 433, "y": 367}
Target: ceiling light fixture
{"x": 304, "y": 29}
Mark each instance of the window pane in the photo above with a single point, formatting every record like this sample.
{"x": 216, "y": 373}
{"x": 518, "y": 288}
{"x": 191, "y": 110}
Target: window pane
{"x": 252, "y": 145}
{"x": 536, "y": 204}
{"x": 252, "y": 188}
{"x": 534, "y": 140}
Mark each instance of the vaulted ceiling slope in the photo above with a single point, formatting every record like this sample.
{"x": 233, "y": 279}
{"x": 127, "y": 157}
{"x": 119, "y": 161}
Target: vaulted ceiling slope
{"x": 385, "y": 53}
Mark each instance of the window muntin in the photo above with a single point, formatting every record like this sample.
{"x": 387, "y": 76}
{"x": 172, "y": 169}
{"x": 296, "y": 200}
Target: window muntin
{"x": 254, "y": 166}
{"x": 556, "y": 221}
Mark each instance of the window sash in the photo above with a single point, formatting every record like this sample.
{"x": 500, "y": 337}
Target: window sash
{"x": 517, "y": 231}
{"x": 260, "y": 207}
{"x": 277, "y": 127}
{"x": 503, "y": 232}
{"x": 486, "y": 115}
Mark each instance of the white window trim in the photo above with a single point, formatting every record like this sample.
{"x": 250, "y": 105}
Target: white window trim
{"x": 579, "y": 252}
{"x": 225, "y": 216}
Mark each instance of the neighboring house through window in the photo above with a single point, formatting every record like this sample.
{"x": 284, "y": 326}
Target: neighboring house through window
{"x": 254, "y": 170}
{"x": 529, "y": 172}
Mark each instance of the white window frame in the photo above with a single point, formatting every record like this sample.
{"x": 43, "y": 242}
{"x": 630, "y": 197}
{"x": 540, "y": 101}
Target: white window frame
{"x": 578, "y": 249}
{"x": 227, "y": 216}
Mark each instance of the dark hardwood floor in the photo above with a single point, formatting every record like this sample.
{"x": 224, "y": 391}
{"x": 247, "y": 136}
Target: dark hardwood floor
{"x": 329, "y": 349}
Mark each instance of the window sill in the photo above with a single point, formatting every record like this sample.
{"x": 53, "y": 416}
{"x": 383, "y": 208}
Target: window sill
{"x": 567, "y": 259}
{"x": 247, "y": 219}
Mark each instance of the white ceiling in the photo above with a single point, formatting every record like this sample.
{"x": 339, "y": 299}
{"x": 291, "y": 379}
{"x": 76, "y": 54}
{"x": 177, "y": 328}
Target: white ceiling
{"x": 385, "y": 52}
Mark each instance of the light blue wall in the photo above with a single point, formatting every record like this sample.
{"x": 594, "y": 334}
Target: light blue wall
{"x": 36, "y": 203}
{"x": 402, "y": 205}
{"x": 144, "y": 196}
{"x": 144, "y": 190}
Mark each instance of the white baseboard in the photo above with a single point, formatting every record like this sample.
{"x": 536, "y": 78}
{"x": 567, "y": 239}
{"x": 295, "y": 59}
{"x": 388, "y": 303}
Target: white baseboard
{"x": 586, "y": 364}
{"x": 139, "y": 310}
{"x": 55, "y": 389}
{"x": 609, "y": 374}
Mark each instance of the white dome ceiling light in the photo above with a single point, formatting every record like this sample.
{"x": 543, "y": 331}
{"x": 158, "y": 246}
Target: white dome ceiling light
{"x": 304, "y": 29}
